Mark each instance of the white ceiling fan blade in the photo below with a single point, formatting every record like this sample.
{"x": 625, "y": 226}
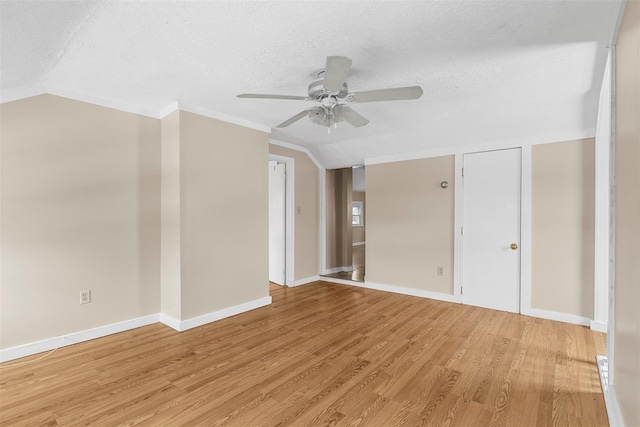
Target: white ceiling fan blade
{"x": 293, "y": 119}
{"x": 346, "y": 113}
{"x": 265, "y": 96}
{"x": 393, "y": 94}
{"x": 335, "y": 72}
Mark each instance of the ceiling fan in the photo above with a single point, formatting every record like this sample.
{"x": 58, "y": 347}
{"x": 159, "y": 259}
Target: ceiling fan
{"x": 331, "y": 92}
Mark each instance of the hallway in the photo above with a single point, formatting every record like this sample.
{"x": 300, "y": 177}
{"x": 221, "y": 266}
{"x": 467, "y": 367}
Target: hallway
{"x": 357, "y": 275}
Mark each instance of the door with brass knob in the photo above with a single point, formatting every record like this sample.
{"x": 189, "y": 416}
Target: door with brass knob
{"x": 491, "y": 225}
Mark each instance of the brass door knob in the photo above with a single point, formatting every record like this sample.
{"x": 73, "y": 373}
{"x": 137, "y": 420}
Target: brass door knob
{"x": 514, "y": 246}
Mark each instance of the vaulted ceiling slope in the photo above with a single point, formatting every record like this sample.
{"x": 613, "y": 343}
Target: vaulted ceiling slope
{"x": 490, "y": 70}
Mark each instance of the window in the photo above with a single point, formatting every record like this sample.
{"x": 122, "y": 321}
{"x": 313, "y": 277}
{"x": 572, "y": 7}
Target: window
{"x": 357, "y": 217}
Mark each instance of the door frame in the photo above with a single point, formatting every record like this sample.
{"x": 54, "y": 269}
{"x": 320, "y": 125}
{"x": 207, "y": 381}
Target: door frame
{"x": 289, "y": 213}
{"x": 525, "y": 225}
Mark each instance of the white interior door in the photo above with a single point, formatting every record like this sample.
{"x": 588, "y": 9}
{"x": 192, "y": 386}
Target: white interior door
{"x": 491, "y": 230}
{"x": 277, "y": 222}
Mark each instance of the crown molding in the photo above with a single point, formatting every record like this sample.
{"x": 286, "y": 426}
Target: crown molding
{"x": 526, "y": 141}
{"x": 296, "y": 148}
{"x": 223, "y": 117}
{"x": 30, "y": 91}
{"x": 19, "y": 93}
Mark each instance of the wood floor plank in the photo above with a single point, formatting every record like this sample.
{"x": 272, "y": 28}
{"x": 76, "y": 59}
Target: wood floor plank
{"x": 321, "y": 354}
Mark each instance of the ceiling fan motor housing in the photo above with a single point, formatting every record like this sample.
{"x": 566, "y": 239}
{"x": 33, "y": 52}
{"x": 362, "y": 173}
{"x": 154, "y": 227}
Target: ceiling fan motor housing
{"x": 317, "y": 92}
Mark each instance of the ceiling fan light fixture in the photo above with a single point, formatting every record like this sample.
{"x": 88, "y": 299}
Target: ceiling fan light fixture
{"x": 331, "y": 91}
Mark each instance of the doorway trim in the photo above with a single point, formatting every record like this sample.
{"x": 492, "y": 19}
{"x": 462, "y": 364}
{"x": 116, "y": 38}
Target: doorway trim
{"x": 289, "y": 257}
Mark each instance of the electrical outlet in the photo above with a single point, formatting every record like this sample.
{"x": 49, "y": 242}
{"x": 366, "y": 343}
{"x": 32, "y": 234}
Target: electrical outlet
{"x": 85, "y": 296}
{"x": 440, "y": 271}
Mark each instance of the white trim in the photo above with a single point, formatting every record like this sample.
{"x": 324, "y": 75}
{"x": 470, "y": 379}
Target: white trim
{"x": 458, "y": 204}
{"x": 114, "y": 328}
{"x": 171, "y": 108}
{"x": 340, "y": 281}
{"x": 194, "y": 322}
{"x": 296, "y": 148}
{"x": 610, "y": 399}
{"x": 323, "y": 221}
{"x": 333, "y": 270}
{"x": 223, "y": 117}
{"x": 27, "y": 92}
{"x": 358, "y": 243}
{"x": 396, "y": 289}
{"x": 103, "y": 102}
{"x": 560, "y": 317}
{"x": 170, "y": 321}
{"x": 598, "y": 326}
{"x": 616, "y": 29}
{"x": 306, "y": 281}
{"x": 29, "y": 349}
{"x": 19, "y": 93}
{"x": 602, "y": 199}
{"x": 525, "y": 229}
{"x": 484, "y": 146}
{"x": 612, "y": 225}
{"x": 614, "y": 414}
{"x": 290, "y": 215}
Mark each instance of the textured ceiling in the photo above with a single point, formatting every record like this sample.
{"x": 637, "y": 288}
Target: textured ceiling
{"x": 490, "y": 70}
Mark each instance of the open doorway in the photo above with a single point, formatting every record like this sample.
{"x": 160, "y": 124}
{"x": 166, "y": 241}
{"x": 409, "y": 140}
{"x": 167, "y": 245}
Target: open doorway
{"x": 345, "y": 224}
{"x": 281, "y": 203}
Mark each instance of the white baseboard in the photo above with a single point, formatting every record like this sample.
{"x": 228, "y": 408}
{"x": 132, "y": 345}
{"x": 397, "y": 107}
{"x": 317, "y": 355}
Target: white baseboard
{"x": 610, "y": 399}
{"x": 396, "y": 289}
{"x": 337, "y": 270}
{"x": 29, "y": 349}
{"x": 305, "y": 281}
{"x": 560, "y": 317}
{"x": 358, "y": 243}
{"x": 170, "y": 321}
{"x": 339, "y": 281}
{"x": 194, "y": 322}
{"x": 598, "y": 326}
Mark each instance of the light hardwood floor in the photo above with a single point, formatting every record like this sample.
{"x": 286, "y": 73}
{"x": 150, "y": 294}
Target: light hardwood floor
{"x": 321, "y": 354}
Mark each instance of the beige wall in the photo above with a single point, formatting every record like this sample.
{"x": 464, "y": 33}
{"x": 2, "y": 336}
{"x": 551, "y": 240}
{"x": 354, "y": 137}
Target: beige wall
{"x": 359, "y": 234}
{"x": 84, "y": 207}
{"x": 80, "y": 210}
{"x": 170, "y": 267}
{"x": 627, "y": 217}
{"x": 410, "y": 221}
{"x": 338, "y": 192}
{"x": 562, "y": 230}
{"x": 224, "y": 215}
{"x": 307, "y": 220}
